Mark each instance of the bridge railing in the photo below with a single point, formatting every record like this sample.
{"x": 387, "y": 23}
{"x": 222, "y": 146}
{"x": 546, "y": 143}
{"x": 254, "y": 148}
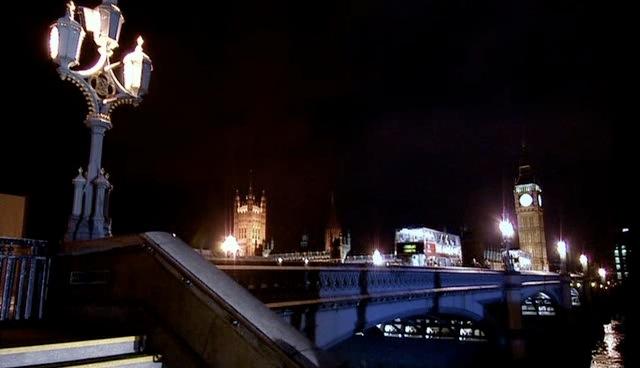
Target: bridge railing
{"x": 280, "y": 283}
{"x": 191, "y": 312}
{"x": 24, "y": 270}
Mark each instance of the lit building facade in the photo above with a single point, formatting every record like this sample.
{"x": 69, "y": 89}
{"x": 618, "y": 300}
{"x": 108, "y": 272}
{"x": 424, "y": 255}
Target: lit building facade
{"x": 250, "y": 223}
{"x": 528, "y": 201}
{"x": 622, "y": 256}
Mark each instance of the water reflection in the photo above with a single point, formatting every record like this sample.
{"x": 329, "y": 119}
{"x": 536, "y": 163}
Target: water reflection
{"x": 606, "y": 353}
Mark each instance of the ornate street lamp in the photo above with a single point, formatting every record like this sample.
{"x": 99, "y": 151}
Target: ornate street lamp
{"x": 103, "y": 91}
{"x": 507, "y": 231}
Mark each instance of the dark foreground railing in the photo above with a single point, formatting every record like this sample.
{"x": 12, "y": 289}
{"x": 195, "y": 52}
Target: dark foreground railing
{"x": 24, "y": 269}
{"x": 191, "y": 312}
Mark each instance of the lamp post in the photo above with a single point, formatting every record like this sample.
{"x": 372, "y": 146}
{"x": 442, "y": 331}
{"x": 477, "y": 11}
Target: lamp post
{"x": 561, "y": 247}
{"x": 105, "y": 86}
{"x": 586, "y": 279}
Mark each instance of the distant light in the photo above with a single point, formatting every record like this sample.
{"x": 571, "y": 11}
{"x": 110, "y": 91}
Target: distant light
{"x": 506, "y": 228}
{"x": 579, "y": 285}
{"x": 230, "y": 245}
{"x": 603, "y": 273}
{"x": 625, "y": 229}
{"x": 173, "y": 234}
{"x": 279, "y": 260}
{"x": 584, "y": 261}
{"x": 593, "y": 284}
{"x": 377, "y": 258}
{"x": 561, "y": 247}
{"x": 306, "y": 261}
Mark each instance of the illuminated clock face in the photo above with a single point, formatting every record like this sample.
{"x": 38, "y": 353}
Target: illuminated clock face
{"x": 540, "y": 200}
{"x": 526, "y": 200}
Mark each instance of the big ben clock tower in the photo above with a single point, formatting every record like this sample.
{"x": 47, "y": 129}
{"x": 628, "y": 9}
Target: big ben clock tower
{"x": 528, "y": 200}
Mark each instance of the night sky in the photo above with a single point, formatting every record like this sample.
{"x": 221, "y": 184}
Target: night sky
{"x": 412, "y": 112}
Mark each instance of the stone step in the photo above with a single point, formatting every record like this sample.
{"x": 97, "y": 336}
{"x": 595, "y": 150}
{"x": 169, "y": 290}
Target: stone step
{"x": 145, "y": 361}
{"x": 75, "y": 351}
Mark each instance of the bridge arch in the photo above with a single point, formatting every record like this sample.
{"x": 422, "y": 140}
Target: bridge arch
{"x": 554, "y": 293}
{"x": 539, "y": 304}
{"x": 331, "y": 326}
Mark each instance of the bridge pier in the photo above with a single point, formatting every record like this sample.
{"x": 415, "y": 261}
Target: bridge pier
{"x": 513, "y": 299}
{"x": 565, "y": 291}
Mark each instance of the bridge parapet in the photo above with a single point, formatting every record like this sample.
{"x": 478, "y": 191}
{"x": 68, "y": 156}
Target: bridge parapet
{"x": 273, "y": 284}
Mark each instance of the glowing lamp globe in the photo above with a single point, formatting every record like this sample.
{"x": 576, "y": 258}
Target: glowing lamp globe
{"x": 137, "y": 71}
{"x": 105, "y": 22}
{"x": 377, "y": 258}
{"x": 561, "y": 247}
{"x": 506, "y": 229}
{"x": 584, "y": 261}
{"x": 602, "y": 273}
{"x": 65, "y": 39}
{"x": 230, "y": 245}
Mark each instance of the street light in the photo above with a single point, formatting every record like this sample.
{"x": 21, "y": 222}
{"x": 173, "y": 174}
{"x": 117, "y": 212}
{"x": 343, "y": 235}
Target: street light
{"x": 584, "y": 262}
{"x": 103, "y": 91}
{"x": 377, "y": 258}
{"x": 230, "y": 245}
{"x": 561, "y": 247}
{"x": 603, "y": 274}
{"x": 506, "y": 229}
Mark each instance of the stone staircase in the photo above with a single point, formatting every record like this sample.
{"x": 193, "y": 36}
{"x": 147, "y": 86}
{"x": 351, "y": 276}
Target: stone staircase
{"x": 101, "y": 353}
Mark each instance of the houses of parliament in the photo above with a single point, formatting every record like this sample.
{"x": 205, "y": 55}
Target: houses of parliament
{"x": 250, "y": 222}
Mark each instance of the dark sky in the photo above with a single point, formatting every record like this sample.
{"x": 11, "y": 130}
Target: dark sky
{"x": 412, "y": 112}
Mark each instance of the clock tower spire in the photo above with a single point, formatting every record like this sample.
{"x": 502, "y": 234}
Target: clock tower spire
{"x": 528, "y": 202}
